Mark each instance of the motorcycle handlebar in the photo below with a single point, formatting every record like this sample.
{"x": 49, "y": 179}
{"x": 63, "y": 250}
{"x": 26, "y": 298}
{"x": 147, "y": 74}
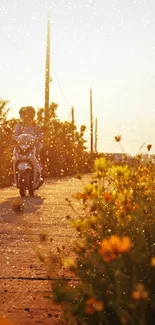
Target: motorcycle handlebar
{"x": 15, "y": 139}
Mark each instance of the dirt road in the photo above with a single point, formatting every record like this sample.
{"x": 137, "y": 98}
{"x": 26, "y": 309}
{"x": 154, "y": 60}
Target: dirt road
{"x": 24, "y": 280}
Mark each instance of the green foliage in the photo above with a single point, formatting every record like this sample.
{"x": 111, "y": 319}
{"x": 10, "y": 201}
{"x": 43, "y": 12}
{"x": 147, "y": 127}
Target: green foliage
{"x": 64, "y": 151}
{"x": 6, "y": 128}
{"x": 114, "y": 250}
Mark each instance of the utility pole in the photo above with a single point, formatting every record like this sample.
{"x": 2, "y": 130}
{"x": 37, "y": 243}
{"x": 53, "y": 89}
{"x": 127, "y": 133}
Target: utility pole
{"x": 47, "y": 72}
{"x": 96, "y": 134}
{"x": 91, "y": 122}
{"x": 73, "y": 122}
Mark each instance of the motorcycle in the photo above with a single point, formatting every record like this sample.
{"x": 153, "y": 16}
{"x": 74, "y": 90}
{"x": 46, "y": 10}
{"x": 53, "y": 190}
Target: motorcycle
{"x": 26, "y": 167}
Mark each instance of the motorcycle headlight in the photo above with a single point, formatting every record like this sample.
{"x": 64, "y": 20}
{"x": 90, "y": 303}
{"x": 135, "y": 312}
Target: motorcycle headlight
{"x": 24, "y": 149}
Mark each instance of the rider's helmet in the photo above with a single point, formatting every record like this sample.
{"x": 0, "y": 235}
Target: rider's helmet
{"x": 27, "y": 113}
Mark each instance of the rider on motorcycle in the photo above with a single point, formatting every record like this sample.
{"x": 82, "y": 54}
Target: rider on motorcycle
{"x": 29, "y": 126}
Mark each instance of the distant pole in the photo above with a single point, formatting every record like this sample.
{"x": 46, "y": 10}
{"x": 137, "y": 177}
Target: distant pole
{"x": 91, "y": 122}
{"x": 73, "y": 122}
{"x": 47, "y": 71}
{"x": 96, "y": 134}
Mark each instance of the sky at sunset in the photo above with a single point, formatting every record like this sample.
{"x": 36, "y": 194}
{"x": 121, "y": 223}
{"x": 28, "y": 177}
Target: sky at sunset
{"x": 106, "y": 44}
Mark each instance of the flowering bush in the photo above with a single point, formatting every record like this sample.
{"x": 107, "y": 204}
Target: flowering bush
{"x": 114, "y": 249}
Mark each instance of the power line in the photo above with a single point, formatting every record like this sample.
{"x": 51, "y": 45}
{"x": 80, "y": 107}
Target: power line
{"x": 65, "y": 97}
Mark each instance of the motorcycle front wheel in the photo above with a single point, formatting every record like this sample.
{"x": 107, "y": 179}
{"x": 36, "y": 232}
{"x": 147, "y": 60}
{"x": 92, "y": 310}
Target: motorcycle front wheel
{"x": 22, "y": 185}
{"x": 30, "y": 188}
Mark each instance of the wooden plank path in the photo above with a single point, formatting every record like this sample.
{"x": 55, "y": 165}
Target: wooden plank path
{"x": 24, "y": 280}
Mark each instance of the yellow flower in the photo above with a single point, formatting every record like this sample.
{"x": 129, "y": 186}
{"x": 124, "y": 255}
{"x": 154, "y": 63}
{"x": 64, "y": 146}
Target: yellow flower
{"x": 81, "y": 196}
{"x": 85, "y": 223}
{"x": 110, "y": 248}
{"x": 80, "y": 245}
{"x": 108, "y": 196}
{"x": 80, "y": 224}
{"x": 89, "y": 188}
{"x": 123, "y": 171}
{"x": 93, "y": 305}
{"x": 77, "y": 223}
{"x": 107, "y": 251}
{"x": 98, "y": 305}
{"x": 115, "y": 243}
{"x": 89, "y": 310}
{"x": 120, "y": 245}
{"x": 104, "y": 247}
{"x": 135, "y": 295}
{"x": 92, "y": 221}
{"x": 119, "y": 171}
{"x": 69, "y": 263}
{"x": 125, "y": 244}
{"x": 78, "y": 195}
{"x": 100, "y": 164}
{"x": 139, "y": 292}
{"x": 153, "y": 261}
{"x": 139, "y": 156}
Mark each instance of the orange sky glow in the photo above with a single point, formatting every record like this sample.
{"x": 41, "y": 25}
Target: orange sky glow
{"x": 108, "y": 45}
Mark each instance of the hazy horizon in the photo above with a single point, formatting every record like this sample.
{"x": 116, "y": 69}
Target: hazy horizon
{"x": 108, "y": 45}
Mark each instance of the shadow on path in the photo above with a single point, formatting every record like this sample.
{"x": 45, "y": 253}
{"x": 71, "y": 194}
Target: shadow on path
{"x": 31, "y": 206}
